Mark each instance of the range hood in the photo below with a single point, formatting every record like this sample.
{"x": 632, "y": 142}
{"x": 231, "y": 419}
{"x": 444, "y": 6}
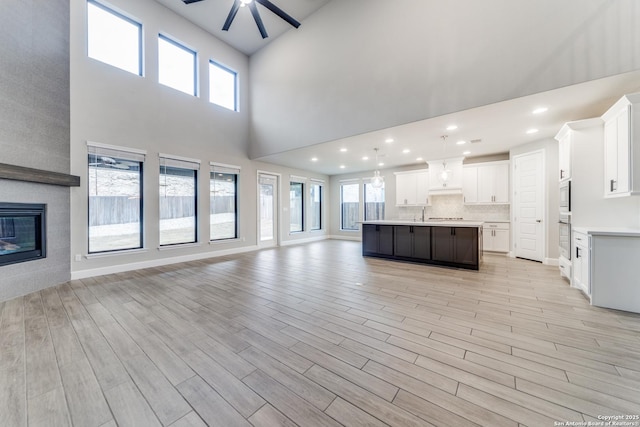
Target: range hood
{"x": 445, "y": 176}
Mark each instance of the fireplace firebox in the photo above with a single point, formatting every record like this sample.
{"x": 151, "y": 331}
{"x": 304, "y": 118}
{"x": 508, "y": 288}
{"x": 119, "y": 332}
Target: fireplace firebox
{"x": 22, "y": 232}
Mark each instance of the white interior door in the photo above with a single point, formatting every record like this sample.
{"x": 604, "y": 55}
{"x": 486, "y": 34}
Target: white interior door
{"x": 529, "y": 206}
{"x": 267, "y": 210}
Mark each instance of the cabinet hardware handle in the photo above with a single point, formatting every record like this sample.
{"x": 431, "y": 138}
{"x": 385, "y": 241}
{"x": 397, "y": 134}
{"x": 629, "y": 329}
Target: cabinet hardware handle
{"x": 561, "y": 173}
{"x": 577, "y": 252}
{"x": 614, "y": 185}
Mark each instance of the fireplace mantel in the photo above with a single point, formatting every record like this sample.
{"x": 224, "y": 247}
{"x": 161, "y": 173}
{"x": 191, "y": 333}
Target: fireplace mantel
{"x": 20, "y": 173}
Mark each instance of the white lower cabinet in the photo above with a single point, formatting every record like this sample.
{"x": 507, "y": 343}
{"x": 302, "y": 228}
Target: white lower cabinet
{"x": 580, "y": 257}
{"x": 605, "y": 265}
{"x": 495, "y": 236}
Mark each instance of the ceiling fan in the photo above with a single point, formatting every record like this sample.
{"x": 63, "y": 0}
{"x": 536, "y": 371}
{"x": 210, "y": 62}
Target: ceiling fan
{"x": 237, "y": 4}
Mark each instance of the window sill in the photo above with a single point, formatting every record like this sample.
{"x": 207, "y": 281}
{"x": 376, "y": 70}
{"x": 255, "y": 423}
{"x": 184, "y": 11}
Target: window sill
{"x": 350, "y": 231}
{"x": 179, "y": 246}
{"x": 115, "y": 253}
{"x": 223, "y": 241}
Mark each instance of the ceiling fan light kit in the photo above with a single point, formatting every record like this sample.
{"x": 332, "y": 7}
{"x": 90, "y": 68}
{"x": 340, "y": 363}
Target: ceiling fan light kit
{"x": 251, "y": 4}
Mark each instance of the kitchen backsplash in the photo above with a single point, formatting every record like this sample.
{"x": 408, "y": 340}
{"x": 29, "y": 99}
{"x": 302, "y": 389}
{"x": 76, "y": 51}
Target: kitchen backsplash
{"x": 452, "y": 206}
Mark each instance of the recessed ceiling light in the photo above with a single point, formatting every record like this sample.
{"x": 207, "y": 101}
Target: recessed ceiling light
{"x": 461, "y": 142}
{"x": 532, "y": 131}
{"x": 388, "y": 140}
{"x": 343, "y": 150}
{"x": 314, "y": 159}
{"x": 406, "y": 151}
{"x": 452, "y": 127}
{"x": 466, "y": 152}
{"x": 342, "y": 166}
{"x": 539, "y": 110}
{"x": 381, "y": 164}
{"x": 365, "y": 158}
{"x": 419, "y": 159}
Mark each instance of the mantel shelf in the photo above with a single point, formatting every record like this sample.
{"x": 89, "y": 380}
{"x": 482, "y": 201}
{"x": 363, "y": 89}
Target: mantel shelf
{"x": 21, "y": 173}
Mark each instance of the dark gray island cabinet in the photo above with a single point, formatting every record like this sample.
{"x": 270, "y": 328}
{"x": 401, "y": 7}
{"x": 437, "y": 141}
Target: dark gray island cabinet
{"x": 446, "y": 243}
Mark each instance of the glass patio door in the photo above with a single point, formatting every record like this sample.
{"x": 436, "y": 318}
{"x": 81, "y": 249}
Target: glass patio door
{"x": 267, "y": 210}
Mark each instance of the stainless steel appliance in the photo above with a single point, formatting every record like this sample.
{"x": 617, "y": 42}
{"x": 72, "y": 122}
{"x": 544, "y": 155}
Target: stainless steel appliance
{"x": 565, "y": 197}
{"x": 565, "y": 235}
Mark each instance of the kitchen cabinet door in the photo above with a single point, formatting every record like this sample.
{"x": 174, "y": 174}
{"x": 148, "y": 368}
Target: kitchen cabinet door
{"x": 470, "y": 184}
{"x": 422, "y": 242}
{"x": 406, "y": 186}
{"x": 501, "y": 240}
{"x": 369, "y": 238}
{"x": 465, "y": 249}
{"x": 385, "y": 240}
{"x": 422, "y": 187}
{"x": 442, "y": 244}
{"x": 564, "y": 157}
{"x": 617, "y": 153}
{"x": 501, "y": 183}
{"x": 403, "y": 241}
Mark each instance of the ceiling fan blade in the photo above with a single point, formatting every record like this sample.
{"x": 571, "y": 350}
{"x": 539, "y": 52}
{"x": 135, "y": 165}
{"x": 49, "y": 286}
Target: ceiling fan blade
{"x": 275, "y": 9}
{"x": 231, "y": 16}
{"x": 190, "y": 1}
{"x": 258, "y": 19}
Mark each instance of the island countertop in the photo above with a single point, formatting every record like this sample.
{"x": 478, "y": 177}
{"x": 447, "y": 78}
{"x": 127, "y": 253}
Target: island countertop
{"x": 427, "y": 223}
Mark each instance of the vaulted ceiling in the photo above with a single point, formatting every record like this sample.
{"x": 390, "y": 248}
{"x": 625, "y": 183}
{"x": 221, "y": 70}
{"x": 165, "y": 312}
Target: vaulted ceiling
{"x": 243, "y": 34}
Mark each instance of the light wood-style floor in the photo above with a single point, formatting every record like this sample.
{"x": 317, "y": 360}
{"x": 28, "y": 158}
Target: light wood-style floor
{"x": 316, "y": 335}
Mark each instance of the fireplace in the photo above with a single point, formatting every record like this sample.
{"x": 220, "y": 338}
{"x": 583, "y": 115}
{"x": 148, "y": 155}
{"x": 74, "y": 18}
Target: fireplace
{"x": 22, "y": 232}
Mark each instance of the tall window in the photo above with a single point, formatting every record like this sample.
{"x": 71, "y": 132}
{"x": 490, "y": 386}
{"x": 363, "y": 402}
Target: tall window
{"x": 373, "y": 202}
{"x": 349, "y": 206}
{"x": 223, "y": 209}
{"x": 223, "y": 86}
{"x": 316, "y": 206}
{"x": 115, "y": 199}
{"x": 113, "y": 38}
{"x": 296, "y": 207}
{"x": 178, "y": 201}
{"x": 176, "y": 65}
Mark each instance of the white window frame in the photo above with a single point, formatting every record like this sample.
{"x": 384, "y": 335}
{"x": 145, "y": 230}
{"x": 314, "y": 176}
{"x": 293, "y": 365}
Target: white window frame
{"x": 184, "y": 47}
{"x": 216, "y": 64}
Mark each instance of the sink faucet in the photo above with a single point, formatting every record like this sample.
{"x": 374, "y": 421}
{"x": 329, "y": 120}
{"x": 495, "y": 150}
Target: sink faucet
{"x": 423, "y": 208}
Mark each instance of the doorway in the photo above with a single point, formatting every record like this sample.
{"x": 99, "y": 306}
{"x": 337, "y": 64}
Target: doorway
{"x": 529, "y": 206}
{"x": 267, "y": 210}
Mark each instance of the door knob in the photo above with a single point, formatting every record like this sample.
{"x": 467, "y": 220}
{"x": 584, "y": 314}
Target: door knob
{"x": 538, "y": 220}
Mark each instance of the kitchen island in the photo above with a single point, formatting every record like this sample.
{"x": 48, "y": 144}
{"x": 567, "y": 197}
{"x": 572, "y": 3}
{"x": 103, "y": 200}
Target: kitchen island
{"x": 450, "y": 243}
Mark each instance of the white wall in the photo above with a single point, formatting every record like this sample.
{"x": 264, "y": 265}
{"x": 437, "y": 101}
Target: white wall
{"x": 114, "y": 107}
{"x": 362, "y": 65}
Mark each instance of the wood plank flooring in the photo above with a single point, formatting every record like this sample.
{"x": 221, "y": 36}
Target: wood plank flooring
{"x": 316, "y": 335}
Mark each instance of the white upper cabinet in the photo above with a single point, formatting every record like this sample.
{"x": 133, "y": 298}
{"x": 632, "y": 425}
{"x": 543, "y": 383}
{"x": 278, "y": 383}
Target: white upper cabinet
{"x": 412, "y": 188}
{"x": 445, "y": 176}
{"x": 564, "y": 155}
{"x": 622, "y": 148}
{"x": 486, "y": 183}
{"x": 470, "y": 184}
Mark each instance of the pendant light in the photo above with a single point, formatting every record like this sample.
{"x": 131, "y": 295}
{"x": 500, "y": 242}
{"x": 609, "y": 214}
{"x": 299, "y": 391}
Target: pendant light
{"x": 445, "y": 174}
{"x": 377, "y": 181}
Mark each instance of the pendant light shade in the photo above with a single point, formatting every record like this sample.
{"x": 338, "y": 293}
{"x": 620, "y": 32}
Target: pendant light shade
{"x": 377, "y": 181}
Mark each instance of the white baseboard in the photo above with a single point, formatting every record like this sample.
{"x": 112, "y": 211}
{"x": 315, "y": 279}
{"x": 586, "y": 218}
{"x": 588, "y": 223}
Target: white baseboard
{"x": 300, "y": 241}
{"x": 101, "y": 271}
{"x": 342, "y": 237}
{"x": 551, "y": 261}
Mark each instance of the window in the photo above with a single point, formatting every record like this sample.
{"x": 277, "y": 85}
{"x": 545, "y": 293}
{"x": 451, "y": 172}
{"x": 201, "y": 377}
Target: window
{"x": 223, "y": 208}
{"x": 115, "y": 199}
{"x": 113, "y": 38}
{"x": 178, "y": 201}
{"x": 296, "y": 208}
{"x": 349, "y": 206}
{"x": 373, "y": 202}
{"x": 316, "y": 206}
{"x": 223, "y": 86}
{"x": 176, "y": 65}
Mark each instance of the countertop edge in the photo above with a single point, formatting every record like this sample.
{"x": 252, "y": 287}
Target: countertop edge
{"x": 608, "y": 231}
{"x": 474, "y": 224}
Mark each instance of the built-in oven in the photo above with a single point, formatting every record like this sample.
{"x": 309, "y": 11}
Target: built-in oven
{"x": 565, "y": 196}
{"x": 565, "y": 235}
